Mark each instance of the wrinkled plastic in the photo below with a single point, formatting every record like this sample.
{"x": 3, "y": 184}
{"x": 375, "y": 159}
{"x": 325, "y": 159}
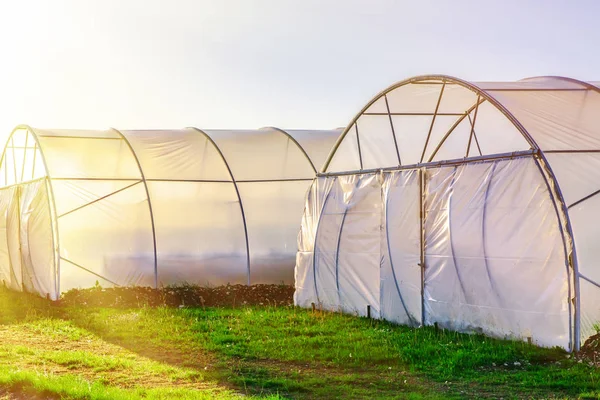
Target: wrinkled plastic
{"x": 494, "y": 255}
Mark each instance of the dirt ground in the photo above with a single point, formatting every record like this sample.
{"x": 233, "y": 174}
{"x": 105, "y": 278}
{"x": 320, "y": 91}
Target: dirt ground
{"x": 182, "y": 296}
{"x": 590, "y": 351}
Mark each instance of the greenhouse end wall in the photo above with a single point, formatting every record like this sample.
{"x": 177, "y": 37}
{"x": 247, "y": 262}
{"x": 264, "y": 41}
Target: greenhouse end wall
{"x": 437, "y": 121}
{"x": 493, "y": 256}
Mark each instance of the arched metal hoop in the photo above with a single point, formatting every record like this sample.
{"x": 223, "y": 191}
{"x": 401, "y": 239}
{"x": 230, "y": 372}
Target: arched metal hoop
{"x": 133, "y": 153}
{"x": 553, "y": 186}
{"x": 445, "y": 79}
{"x": 296, "y": 143}
{"x": 51, "y": 200}
{"x": 237, "y": 191}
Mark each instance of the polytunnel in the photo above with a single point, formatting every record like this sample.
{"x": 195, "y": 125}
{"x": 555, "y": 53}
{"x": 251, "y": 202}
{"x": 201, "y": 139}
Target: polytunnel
{"x": 470, "y": 206}
{"x": 153, "y": 208}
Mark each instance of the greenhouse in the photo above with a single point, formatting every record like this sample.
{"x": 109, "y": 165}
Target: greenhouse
{"x": 153, "y": 208}
{"x": 470, "y": 206}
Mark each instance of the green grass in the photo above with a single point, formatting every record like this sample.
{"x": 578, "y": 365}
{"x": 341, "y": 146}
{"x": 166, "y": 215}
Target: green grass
{"x": 155, "y": 353}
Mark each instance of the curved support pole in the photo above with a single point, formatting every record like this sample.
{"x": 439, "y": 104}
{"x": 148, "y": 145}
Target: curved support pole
{"x": 339, "y": 238}
{"x": 389, "y": 249}
{"x": 297, "y": 144}
{"x": 51, "y": 200}
{"x": 483, "y": 232}
{"x": 451, "y": 188}
{"x": 452, "y": 128}
{"x": 149, "y": 204}
{"x": 237, "y": 191}
{"x": 337, "y": 254}
{"x": 323, "y": 207}
{"x": 437, "y": 79}
{"x": 570, "y": 256}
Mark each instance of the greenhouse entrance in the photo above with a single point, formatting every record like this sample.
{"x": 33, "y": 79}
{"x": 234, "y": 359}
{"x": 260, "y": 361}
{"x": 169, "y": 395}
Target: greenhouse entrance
{"x": 442, "y": 245}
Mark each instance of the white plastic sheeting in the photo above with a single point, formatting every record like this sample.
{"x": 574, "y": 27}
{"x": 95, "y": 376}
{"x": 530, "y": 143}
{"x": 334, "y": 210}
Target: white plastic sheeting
{"x": 494, "y": 254}
{"x": 153, "y": 208}
{"x": 446, "y": 123}
{"x": 28, "y": 252}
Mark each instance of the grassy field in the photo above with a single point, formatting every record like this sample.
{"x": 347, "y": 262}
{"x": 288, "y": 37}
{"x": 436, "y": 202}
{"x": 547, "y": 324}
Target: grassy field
{"x": 50, "y": 352}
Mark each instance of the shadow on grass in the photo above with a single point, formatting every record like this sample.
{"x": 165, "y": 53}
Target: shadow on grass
{"x": 371, "y": 359}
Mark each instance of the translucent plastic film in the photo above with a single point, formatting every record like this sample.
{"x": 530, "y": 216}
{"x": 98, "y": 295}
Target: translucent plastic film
{"x": 401, "y": 248}
{"x": 304, "y": 272}
{"x": 96, "y": 157}
{"x": 266, "y": 154}
{"x": 199, "y": 233}
{"x": 37, "y": 242}
{"x": 108, "y": 240}
{"x": 424, "y": 121}
{"x": 495, "y": 259}
{"x": 494, "y": 256}
{"x": 347, "y": 248}
{"x": 184, "y": 154}
{"x": 22, "y": 159}
{"x": 557, "y": 119}
{"x": 317, "y": 144}
{"x": 13, "y": 228}
{"x": 585, "y": 219}
{"x": 273, "y": 211}
{"x": 7, "y": 274}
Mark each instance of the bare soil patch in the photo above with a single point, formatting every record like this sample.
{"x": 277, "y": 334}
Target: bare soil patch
{"x": 181, "y": 296}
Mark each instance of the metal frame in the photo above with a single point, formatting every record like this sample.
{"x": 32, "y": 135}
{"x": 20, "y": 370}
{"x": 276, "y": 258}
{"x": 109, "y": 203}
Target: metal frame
{"x": 321, "y": 212}
{"x": 558, "y": 204}
{"x": 422, "y": 243}
{"x": 296, "y": 143}
{"x": 435, "y": 164}
{"x": 483, "y": 95}
{"x": 357, "y": 145}
{"x": 114, "y": 134}
{"x": 440, "y": 79}
{"x": 51, "y": 198}
{"x": 437, "y": 107}
{"x": 237, "y": 191}
{"x": 472, "y": 122}
{"x": 473, "y": 126}
{"x": 137, "y": 160}
{"x": 387, "y": 106}
{"x": 89, "y": 271}
{"x": 98, "y": 199}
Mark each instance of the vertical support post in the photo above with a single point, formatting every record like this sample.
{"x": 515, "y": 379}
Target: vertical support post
{"x": 55, "y": 241}
{"x": 12, "y": 144}
{"x": 422, "y": 223}
{"x": 369, "y": 311}
{"x": 34, "y": 157}
{"x": 24, "y": 161}
{"x": 18, "y": 190}
{"x": 5, "y": 165}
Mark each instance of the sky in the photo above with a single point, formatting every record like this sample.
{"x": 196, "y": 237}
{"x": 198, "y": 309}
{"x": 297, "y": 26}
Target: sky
{"x": 150, "y": 64}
